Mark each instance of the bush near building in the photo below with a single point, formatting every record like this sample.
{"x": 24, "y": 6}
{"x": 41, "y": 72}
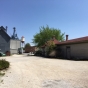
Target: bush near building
{"x": 38, "y": 53}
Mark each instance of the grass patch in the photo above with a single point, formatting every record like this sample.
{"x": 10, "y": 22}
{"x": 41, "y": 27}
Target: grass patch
{"x": 1, "y": 81}
{"x": 2, "y": 74}
{"x": 4, "y": 64}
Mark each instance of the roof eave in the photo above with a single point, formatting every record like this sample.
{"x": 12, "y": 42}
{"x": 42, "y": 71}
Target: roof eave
{"x": 85, "y": 41}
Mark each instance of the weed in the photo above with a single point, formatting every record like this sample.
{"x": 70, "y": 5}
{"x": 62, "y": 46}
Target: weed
{"x": 2, "y": 74}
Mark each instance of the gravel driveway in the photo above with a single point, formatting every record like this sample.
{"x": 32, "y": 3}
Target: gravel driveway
{"x": 38, "y": 72}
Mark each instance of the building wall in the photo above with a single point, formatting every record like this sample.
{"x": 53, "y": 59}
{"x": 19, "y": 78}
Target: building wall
{"x": 4, "y": 42}
{"x": 14, "y": 45}
{"x": 76, "y": 50}
{"x": 31, "y": 49}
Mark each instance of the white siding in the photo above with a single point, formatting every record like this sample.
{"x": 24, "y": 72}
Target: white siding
{"x": 77, "y": 50}
{"x": 14, "y": 45}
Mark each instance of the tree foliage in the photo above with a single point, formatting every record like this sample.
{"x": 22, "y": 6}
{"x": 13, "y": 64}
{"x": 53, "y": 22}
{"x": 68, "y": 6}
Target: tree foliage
{"x": 27, "y": 45}
{"x": 46, "y": 34}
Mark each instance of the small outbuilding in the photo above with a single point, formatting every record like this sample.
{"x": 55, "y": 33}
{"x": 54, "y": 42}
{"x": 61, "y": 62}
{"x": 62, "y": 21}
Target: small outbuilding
{"x": 74, "y": 48}
{"x": 71, "y": 49}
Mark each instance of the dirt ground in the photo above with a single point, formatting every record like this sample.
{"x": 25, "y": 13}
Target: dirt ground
{"x": 38, "y": 72}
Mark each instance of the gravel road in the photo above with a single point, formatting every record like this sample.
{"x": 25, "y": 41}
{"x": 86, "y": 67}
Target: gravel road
{"x": 38, "y": 72}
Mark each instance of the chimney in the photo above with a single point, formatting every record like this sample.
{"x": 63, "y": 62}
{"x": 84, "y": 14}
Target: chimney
{"x": 66, "y": 37}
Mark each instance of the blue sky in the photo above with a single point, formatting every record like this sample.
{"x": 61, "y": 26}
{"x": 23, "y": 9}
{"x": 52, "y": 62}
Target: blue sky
{"x": 70, "y": 16}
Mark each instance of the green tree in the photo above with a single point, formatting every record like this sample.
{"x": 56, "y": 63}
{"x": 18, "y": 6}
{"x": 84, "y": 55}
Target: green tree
{"x": 27, "y": 45}
{"x": 46, "y": 34}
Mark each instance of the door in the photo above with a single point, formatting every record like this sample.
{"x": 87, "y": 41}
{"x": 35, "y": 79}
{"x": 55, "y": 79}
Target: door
{"x": 68, "y": 52}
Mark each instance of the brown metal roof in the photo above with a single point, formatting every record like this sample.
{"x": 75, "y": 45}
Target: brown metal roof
{"x": 77, "y": 40}
{"x": 72, "y": 41}
{"x": 55, "y": 41}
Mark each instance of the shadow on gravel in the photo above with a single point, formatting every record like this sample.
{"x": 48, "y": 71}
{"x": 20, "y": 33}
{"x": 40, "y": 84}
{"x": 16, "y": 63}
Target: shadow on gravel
{"x": 74, "y": 59}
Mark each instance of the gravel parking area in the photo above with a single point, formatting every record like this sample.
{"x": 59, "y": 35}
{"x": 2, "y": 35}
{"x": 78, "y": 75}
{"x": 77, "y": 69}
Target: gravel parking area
{"x": 38, "y": 72}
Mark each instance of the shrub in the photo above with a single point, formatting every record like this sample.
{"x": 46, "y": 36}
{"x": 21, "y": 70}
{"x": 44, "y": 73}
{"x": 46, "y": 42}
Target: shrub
{"x": 50, "y": 50}
{"x": 2, "y": 74}
{"x": 4, "y": 64}
{"x": 38, "y": 53}
{"x": 52, "y": 53}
